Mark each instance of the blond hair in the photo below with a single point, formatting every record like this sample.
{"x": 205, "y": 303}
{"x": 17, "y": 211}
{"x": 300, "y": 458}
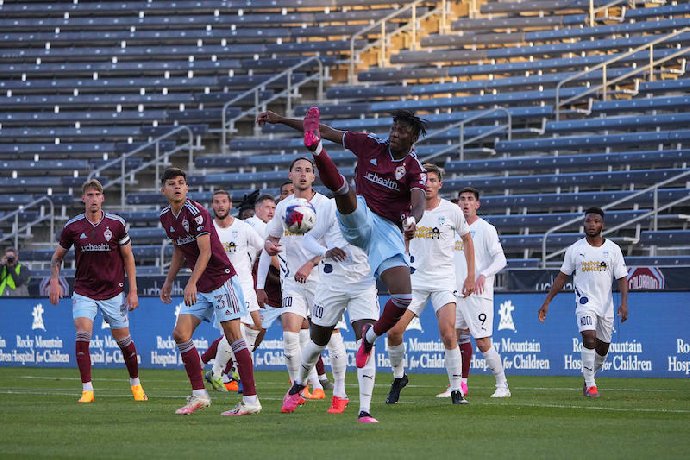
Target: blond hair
{"x": 91, "y": 184}
{"x": 432, "y": 168}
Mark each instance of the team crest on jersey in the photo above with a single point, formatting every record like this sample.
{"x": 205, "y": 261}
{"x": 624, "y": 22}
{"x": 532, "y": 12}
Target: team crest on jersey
{"x": 108, "y": 234}
{"x": 441, "y": 221}
{"x": 400, "y": 172}
{"x": 199, "y": 219}
{"x": 185, "y": 224}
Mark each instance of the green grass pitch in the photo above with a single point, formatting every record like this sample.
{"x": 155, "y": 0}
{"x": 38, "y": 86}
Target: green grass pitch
{"x": 547, "y": 417}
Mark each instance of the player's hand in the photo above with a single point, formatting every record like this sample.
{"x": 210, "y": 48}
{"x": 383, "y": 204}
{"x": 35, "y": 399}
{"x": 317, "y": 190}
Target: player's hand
{"x": 468, "y": 287}
{"x": 166, "y": 290}
{"x": 132, "y": 301}
{"x": 190, "y": 294}
{"x": 623, "y": 312}
{"x": 272, "y": 248}
{"x": 336, "y": 254}
{"x": 261, "y": 297}
{"x": 55, "y": 291}
{"x": 267, "y": 117}
{"x": 542, "y": 312}
{"x": 479, "y": 284}
{"x": 304, "y": 272}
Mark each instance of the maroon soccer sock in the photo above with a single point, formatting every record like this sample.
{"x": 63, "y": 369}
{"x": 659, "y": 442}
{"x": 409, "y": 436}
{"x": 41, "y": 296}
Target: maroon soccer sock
{"x": 192, "y": 364}
{"x": 466, "y": 352}
{"x": 228, "y": 368}
{"x": 210, "y": 354}
{"x": 320, "y": 368}
{"x": 392, "y": 312}
{"x": 329, "y": 174}
{"x": 83, "y": 356}
{"x": 129, "y": 353}
{"x": 244, "y": 366}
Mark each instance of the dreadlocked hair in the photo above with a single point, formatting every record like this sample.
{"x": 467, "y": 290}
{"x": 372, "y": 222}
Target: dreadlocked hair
{"x": 408, "y": 117}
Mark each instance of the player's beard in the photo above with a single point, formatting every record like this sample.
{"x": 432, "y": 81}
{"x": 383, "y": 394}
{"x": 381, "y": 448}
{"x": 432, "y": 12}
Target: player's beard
{"x": 220, "y": 216}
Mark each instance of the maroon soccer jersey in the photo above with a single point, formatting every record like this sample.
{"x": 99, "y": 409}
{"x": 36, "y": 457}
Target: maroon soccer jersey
{"x": 193, "y": 221}
{"x": 100, "y": 267}
{"x": 384, "y": 182}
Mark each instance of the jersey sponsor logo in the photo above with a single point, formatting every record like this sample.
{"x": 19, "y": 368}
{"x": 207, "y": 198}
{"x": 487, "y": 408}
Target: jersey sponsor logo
{"x": 102, "y": 247}
{"x": 185, "y": 240}
{"x": 428, "y": 233}
{"x": 185, "y": 224}
{"x": 376, "y": 179}
{"x": 506, "y": 312}
{"x": 594, "y": 266}
{"x": 108, "y": 235}
{"x": 230, "y": 246}
{"x": 400, "y": 172}
{"x": 37, "y": 314}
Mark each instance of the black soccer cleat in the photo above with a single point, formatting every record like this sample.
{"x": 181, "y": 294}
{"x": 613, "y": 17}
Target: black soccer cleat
{"x": 456, "y": 397}
{"x": 397, "y": 385}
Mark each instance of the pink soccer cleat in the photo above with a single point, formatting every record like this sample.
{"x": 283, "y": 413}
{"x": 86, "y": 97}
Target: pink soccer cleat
{"x": 338, "y": 405}
{"x": 365, "y": 417}
{"x": 364, "y": 351}
{"x": 312, "y": 136}
{"x": 194, "y": 403}
{"x": 292, "y": 402}
{"x": 592, "y": 392}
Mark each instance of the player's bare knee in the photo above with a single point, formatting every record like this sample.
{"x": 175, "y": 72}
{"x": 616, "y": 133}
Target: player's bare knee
{"x": 484, "y": 344}
{"x": 589, "y": 340}
{"x": 181, "y": 336}
{"x": 320, "y": 335}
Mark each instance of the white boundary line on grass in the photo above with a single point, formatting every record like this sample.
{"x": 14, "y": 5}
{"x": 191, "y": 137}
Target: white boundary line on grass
{"x": 111, "y": 394}
{"x": 595, "y": 408}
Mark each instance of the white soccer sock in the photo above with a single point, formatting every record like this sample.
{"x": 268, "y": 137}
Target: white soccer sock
{"x": 396, "y": 355}
{"x": 293, "y": 354}
{"x": 250, "y": 336}
{"x": 454, "y": 368}
{"x": 599, "y": 361}
{"x": 314, "y": 377}
{"x": 588, "y": 366}
{"x": 305, "y": 339}
{"x": 88, "y": 386}
{"x": 493, "y": 361}
{"x": 223, "y": 356}
{"x": 135, "y": 381}
{"x": 250, "y": 399}
{"x": 366, "y": 377}
{"x": 201, "y": 393}
{"x": 336, "y": 350}
{"x": 371, "y": 335}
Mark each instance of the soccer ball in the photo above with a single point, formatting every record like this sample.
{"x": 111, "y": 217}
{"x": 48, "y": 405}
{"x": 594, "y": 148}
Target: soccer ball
{"x": 300, "y": 216}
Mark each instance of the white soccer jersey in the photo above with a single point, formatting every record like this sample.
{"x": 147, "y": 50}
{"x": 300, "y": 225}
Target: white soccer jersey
{"x": 431, "y": 249}
{"x": 293, "y": 254}
{"x": 486, "y": 248}
{"x": 595, "y": 269}
{"x": 259, "y": 225}
{"x": 242, "y": 244}
{"x": 353, "y": 272}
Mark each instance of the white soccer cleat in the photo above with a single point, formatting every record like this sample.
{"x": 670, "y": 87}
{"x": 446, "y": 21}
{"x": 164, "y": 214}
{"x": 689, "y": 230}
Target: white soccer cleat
{"x": 243, "y": 408}
{"x": 194, "y": 403}
{"x": 444, "y": 394}
{"x": 501, "y": 392}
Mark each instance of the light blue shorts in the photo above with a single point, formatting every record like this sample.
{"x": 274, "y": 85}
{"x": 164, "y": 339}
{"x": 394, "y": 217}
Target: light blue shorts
{"x": 223, "y": 304}
{"x": 114, "y": 310}
{"x": 269, "y": 315}
{"x": 378, "y": 237}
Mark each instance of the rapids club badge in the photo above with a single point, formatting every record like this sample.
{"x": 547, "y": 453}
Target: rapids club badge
{"x": 108, "y": 235}
{"x": 400, "y": 172}
{"x": 185, "y": 224}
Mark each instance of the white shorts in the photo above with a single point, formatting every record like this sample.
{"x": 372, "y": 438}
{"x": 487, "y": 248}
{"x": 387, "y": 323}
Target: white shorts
{"x": 438, "y": 300}
{"x": 298, "y": 298}
{"x": 588, "y": 320}
{"x": 114, "y": 310}
{"x": 477, "y": 315}
{"x": 250, "y": 301}
{"x": 329, "y": 305}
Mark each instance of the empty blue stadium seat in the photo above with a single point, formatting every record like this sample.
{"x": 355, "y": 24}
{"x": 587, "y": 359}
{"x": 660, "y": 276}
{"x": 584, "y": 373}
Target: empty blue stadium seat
{"x": 640, "y": 105}
{"x": 665, "y": 237}
{"x": 666, "y": 120}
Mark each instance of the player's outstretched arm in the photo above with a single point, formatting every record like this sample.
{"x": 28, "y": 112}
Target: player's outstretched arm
{"x": 55, "y": 290}
{"x": 558, "y": 284}
{"x": 333, "y": 135}
{"x": 468, "y": 248}
{"x": 623, "y": 309}
{"x": 204, "y": 244}
{"x": 132, "y": 301}
{"x": 175, "y": 266}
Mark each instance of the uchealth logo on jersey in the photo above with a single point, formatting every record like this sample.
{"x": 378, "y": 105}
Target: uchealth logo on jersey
{"x": 645, "y": 278}
{"x": 506, "y": 313}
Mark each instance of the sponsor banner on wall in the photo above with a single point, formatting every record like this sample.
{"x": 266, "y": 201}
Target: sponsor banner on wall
{"x": 654, "y": 342}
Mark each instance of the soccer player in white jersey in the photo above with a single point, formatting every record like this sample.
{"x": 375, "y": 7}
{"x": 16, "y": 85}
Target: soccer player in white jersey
{"x": 242, "y": 244}
{"x": 264, "y": 210}
{"x": 476, "y": 313}
{"x": 346, "y": 282}
{"x": 298, "y": 274}
{"x": 595, "y": 262}
{"x": 433, "y": 276}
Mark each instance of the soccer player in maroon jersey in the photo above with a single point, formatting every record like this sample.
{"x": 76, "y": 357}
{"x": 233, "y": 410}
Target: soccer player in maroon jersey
{"x": 213, "y": 288}
{"x": 103, "y": 255}
{"x": 390, "y": 199}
